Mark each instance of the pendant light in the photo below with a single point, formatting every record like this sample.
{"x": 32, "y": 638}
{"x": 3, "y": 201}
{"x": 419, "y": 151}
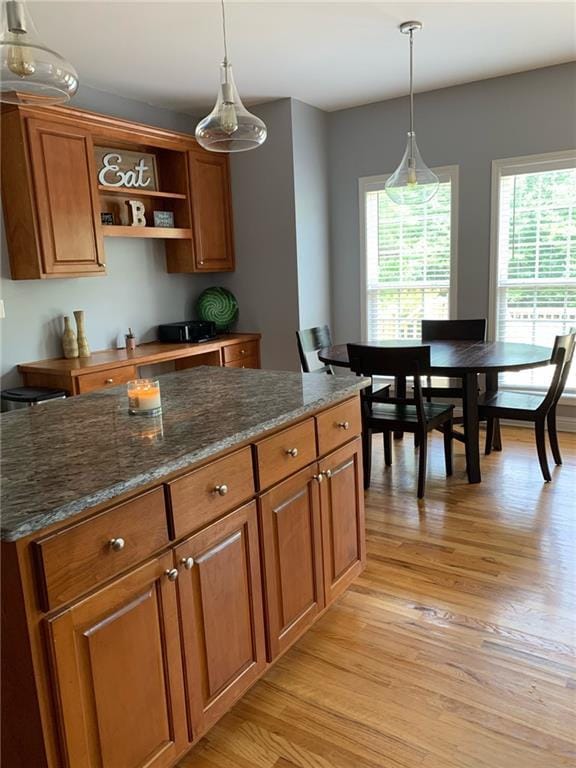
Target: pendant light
{"x": 30, "y": 73}
{"x": 229, "y": 127}
{"x": 412, "y": 183}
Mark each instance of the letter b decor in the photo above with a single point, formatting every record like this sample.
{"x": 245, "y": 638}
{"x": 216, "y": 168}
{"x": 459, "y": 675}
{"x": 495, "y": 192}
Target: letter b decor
{"x": 136, "y": 211}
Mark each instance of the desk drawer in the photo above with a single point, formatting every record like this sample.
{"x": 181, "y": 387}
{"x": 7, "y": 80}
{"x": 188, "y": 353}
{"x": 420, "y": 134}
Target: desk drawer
{"x": 283, "y": 454}
{"x": 88, "y": 382}
{"x": 79, "y": 558}
{"x": 338, "y": 425}
{"x": 211, "y": 491}
{"x": 239, "y": 351}
{"x": 245, "y": 362}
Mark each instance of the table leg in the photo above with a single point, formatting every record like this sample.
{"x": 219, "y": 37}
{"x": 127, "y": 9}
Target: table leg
{"x": 400, "y": 392}
{"x": 471, "y": 427}
{"x": 492, "y": 386}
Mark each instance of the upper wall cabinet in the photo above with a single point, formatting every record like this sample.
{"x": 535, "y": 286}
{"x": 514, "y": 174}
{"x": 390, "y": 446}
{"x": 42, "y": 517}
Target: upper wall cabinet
{"x": 58, "y": 208}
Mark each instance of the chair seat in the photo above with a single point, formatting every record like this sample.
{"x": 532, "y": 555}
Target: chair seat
{"x": 404, "y": 412}
{"x": 509, "y": 401}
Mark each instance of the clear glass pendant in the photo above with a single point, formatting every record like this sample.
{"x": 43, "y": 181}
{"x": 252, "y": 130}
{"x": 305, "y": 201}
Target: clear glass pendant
{"x": 30, "y": 73}
{"x": 230, "y": 127}
{"x": 412, "y": 183}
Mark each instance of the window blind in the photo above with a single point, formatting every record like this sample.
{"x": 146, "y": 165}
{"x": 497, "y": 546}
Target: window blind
{"x": 408, "y": 259}
{"x": 536, "y": 286}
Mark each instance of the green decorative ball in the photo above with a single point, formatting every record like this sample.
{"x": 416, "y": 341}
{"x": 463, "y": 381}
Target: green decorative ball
{"x": 218, "y": 305}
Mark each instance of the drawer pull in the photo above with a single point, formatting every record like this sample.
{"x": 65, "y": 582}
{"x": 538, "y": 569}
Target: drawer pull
{"x": 327, "y": 474}
{"x": 117, "y": 545}
{"x": 221, "y": 490}
{"x": 188, "y": 563}
{"x": 172, "y": 574}
{"x": 293, "y": 452}
{"x": 109, "y": 381}
{"x": 343, "y": 425}
{"x": 319, "y": 477}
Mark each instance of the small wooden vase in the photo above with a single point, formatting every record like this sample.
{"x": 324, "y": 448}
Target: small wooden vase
{"x": 69, "y": 343}
{"x": 83, "y": 346}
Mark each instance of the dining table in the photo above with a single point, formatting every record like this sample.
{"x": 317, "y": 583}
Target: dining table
{"x": 464, "y": 360}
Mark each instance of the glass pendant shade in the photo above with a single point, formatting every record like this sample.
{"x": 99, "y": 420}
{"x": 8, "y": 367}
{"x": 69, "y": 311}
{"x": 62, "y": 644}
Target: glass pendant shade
{"x": 412, "y": 183}
{"x": 230, "y": 127}
{"x": 30, "y": 73}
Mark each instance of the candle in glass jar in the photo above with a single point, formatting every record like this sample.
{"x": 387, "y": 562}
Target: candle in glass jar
{"x": 144, "y": 397}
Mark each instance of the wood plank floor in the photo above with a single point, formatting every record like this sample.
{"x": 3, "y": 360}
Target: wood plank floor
{"x": 454, "y": 649}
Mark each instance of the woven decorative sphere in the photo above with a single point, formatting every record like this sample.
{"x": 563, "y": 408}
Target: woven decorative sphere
{"x": 218, "y": 305}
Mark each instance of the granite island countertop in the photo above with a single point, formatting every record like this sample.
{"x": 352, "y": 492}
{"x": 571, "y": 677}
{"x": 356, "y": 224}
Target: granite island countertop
{"x": 66, "y": 456}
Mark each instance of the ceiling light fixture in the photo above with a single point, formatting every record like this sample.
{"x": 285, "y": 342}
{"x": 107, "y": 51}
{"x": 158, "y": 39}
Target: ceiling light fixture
{"x": 31, "y": 73}
{"x": 229, "y": 127}
{"x": 412, "y": 183}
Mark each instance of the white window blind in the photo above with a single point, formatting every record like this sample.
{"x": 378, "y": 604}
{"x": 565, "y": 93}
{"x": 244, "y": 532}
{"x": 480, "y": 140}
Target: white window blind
{"x": 536, "y": 262}
{"x": 409, "y": 256}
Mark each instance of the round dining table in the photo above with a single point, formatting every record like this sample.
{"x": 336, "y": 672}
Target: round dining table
{"x": 462, "y": 360}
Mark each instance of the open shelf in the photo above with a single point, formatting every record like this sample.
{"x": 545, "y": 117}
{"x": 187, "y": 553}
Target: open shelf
{"x": 135, "y": 192}
{"x": 167, "y": 233}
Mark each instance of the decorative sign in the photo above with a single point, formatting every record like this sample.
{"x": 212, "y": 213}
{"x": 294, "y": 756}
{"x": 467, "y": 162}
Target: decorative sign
{"x": 136, "y": 211}
{"x": 107, "y": 218}
{"x": 163, "y": 219}
{"x": 121, "y": 168}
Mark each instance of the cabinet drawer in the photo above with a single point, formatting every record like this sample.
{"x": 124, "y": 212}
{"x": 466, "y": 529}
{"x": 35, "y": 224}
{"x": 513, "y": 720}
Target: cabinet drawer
{"x": 81, "y": 557}
{"x": 240, "y": 351}
{"x": 338, "y": 425}
{"x": 209, "y": 492}
{"x": 245, "y": 362}
{"x": 88, "y": 382}
{"x": 283, "y": 454}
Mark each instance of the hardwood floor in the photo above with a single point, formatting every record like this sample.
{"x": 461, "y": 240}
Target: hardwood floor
{"x": 456, "y": 646}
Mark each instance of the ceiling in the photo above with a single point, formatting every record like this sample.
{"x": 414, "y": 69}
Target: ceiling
{"x": 329, "y": 54}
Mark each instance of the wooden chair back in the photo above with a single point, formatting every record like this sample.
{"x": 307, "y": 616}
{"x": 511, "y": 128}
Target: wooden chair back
{"x": 562, "y": 356}
{"x": 311, "y": 340}
{"x": 454, "y": 330}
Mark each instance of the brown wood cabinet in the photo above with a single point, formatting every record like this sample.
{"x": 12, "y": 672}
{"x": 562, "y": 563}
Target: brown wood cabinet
{"x": 53, "y": 202}
{"x": 292, "y": 558}
{"x": 221, "y": 612}
{"x": 118, "y": 673}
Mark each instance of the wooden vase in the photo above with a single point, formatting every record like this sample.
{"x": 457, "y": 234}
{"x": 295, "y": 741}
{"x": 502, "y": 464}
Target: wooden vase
{"x": 69, "y": 343}
{"x": 83, "y": 346}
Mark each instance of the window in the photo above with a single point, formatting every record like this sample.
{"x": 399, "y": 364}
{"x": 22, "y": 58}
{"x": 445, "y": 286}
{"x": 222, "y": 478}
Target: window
{"x": 533, "y": 275}
{"x": 409, "y": 257}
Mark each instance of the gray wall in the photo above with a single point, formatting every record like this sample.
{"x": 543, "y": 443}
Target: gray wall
{"x": 309, "y": 140}
{"x": 137, "y": 291}
{"x": 469, "y": 126}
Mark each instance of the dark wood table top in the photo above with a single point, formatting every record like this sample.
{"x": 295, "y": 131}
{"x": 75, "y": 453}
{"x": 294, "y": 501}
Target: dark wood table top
{"x": 456, "y": 358}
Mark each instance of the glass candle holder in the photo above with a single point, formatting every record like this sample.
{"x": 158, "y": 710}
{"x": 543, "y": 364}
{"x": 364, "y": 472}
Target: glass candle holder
{"x": 144, "y": 397}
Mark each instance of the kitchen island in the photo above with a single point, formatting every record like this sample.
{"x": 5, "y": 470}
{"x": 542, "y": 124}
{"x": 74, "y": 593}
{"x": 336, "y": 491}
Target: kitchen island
{"x": 154, "y": 568}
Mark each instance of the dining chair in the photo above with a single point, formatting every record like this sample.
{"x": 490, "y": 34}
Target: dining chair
{"x": 539, "y": 409}
{"x": 399, "y": 414}
{"x": 312, "y": 340}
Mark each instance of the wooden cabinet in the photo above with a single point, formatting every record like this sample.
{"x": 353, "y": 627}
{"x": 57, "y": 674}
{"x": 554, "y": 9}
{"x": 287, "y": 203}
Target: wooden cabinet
{"x": 292, "y": 558}
{"x": 342, "y": 505}
{"x": 118, "y": 673}
{"x": 221, "y": 611}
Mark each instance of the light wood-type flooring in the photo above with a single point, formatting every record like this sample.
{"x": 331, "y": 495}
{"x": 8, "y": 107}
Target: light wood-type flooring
{"x": 454, "y": 649}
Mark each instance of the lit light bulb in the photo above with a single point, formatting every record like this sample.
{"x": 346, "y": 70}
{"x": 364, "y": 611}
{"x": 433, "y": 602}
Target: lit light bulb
{"x": 411, "y": 180}
{"x": 20, "y": 61}
{"x": 227, "y": 112}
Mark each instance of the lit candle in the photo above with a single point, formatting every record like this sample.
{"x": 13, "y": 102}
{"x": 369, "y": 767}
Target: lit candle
{"x": 144, "y": 397}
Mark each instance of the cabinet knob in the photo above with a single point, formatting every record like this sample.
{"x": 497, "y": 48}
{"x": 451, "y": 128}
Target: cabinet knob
{"x": 172, "y": 574}
{"x": 242, "y": 351}
{"x": 221, "y": 490}
{"x": 319, "y": 477}
{"x": 188, "y": 563}
{"x": 292, "y": 452}
{"x": 327, "y": 474}
{"x": 109, "y": 381}
{"x": 343, "y": 425}
{"x": 117, "y": 545}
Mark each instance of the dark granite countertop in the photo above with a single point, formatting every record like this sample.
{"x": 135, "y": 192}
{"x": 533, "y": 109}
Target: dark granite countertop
{"x": 66, "y": 456}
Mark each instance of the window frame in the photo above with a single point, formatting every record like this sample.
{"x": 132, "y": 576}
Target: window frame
{"x": 511, "y": 166}
{"x": 376, "y": 184}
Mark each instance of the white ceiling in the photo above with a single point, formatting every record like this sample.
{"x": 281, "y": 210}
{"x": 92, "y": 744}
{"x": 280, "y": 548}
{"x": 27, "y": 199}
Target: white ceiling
{"x": 328, "y": 54}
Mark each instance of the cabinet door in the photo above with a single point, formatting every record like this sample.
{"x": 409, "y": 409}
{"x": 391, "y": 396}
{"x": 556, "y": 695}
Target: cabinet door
{"x": 118, "y": 673}
{"x": 342, "y": 504}
{"x": 211, "y": 212}
{"x": 292, "y": 557}
{"x": 64, "y": 174}
{"x": 221, "y": 613}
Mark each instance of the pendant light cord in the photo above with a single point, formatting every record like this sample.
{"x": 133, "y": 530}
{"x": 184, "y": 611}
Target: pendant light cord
{"x": 411, "y": 81}
{"x": 224, "y": 33}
